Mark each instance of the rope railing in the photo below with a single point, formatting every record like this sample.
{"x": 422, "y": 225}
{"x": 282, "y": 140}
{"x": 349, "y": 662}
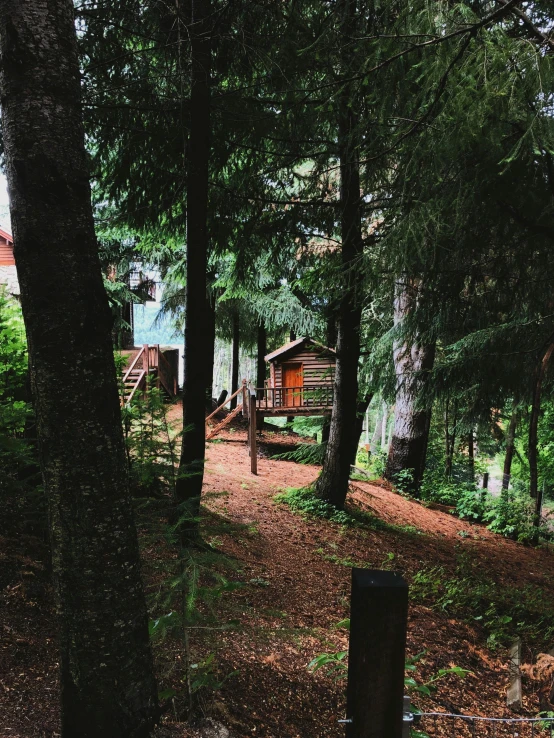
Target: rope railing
{"x": 456, "y": 725}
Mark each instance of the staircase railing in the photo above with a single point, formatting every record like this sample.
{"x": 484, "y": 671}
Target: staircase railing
{"x": 166, "y": 374}
{"x": 149, "y": 358}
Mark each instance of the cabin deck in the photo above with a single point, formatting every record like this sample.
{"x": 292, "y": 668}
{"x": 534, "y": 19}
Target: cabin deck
{"x": 316, "y": 399}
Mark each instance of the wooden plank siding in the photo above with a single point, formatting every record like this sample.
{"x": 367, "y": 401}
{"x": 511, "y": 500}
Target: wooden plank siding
{"x": 317, "y": 369}
{"x": 6, "y": 253}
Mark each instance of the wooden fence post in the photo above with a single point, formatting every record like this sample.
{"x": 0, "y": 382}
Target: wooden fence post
{"x": 146, "y": 361}
{"x": 244, "y": 400}
{"x": 485, "y": 480}
{"x": 376, "y": 655}
{"x": 513, "y": 698}
{"x": 252, "y": 433}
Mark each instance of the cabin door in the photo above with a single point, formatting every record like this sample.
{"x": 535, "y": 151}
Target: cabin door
{"x": 293, "y": 377}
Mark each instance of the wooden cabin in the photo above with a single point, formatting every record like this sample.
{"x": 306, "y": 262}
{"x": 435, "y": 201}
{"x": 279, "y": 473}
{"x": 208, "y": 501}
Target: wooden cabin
{"x": 8, "y": 272}
{"x": 301, "y": 379}
{"x": 6, "y": 249}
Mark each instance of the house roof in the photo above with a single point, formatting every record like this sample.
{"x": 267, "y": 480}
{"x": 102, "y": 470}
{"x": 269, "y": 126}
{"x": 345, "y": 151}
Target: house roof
{"x": 6, "y": 234}
{"x": 280, "y": 352}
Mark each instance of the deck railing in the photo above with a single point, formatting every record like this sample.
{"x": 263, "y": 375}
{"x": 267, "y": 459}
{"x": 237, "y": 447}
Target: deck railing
{"x": 149, "y": 361}
{"x": 310, "y": 395}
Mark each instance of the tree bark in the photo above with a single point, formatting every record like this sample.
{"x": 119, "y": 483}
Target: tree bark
{"x": 332, "y": 484}
{"x": 532, "y": 453}
{"x": 260, "y": 366}
{"x": 211, "y": 300}
{"x": 331, "y": 330}
{"x": 107, "y": 683}
{"x": 377, "y": 431}
{"x": 384, "y": 424}
{"x": 510, "y": 447}
{"x": 471, "y": 455}
{"x": 191, "y": 467}
{"x": 236, "y": 357}
{"x": 412, "y": 362}
{"x": 360, "y": 415}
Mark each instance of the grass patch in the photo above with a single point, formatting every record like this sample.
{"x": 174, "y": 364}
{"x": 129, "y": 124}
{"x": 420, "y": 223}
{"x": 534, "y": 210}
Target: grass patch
{"x": 305, "y": 501}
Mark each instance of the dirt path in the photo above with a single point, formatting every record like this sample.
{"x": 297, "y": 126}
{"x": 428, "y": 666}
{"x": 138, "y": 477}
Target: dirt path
{"x": 295, "y": 576}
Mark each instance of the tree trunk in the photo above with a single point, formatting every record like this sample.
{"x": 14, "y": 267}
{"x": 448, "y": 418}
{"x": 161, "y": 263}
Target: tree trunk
{"x": 211, "y": 300}
{"x": 236, "y": 357}
{"x": 450, "y": 437}
{"x": 377, "y": 431}
{"x": 412, "y": 362}
{"x": 107, "y": 683}
{"x": 510, "y": 446}
{"x": 197, "y": 345}
{"x": 332, "y": 330}
{"x": 384, "y": 424}
{"x": 532, "y": 453}
{"x": 332, "y": 484}
{"x": 261, "y": 366}
{"x": 471, "y": 455}
{"x": 360, "y": 415}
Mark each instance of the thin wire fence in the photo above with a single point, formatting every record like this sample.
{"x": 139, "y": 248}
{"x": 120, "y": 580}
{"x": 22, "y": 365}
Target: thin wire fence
{"x": 450, "y": 725}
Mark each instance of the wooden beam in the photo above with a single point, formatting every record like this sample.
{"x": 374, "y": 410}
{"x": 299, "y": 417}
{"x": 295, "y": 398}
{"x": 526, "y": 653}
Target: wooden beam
{"x": 214, "y": 431}
{"x": 210, "y": 416}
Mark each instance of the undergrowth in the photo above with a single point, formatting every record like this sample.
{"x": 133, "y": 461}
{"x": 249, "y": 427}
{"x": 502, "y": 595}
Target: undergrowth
{"x": 304, "y": 453}
{"x": 470, "y": 594}
{"x": 304, "y": 500}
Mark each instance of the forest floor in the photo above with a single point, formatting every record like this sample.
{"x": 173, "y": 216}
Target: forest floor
{"x": 292, "y": 577}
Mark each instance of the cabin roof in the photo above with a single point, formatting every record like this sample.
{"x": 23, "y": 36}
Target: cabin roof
{"x": 300, "y": 342}
{"x": 6, "y": 235}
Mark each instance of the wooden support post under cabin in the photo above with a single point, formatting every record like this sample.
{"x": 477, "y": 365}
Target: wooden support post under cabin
{"x": 157, "y": 354}
{"x": 513, "y": 698}
{"x": 376, "y": 656}
{"x": 485, "y": 480}
{"x": 252, "y": 433}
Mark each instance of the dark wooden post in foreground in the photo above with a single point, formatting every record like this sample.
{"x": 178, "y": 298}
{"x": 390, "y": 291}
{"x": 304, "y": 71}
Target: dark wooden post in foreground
{"x": 376, "y": 656}
{"x": 252, "y": 433}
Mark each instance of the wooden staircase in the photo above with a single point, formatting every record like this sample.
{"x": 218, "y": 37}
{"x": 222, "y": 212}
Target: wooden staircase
{"x": 149, "y": 362}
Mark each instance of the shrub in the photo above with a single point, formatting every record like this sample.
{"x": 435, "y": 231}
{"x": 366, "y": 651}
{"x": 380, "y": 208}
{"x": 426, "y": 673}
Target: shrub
{"x": 304, "y": 453}
{"x": 305, "y": 500}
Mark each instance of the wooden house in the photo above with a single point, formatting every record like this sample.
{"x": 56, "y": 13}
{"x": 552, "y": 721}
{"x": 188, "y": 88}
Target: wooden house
{"x": 301, "y": 379}
{"x": 8, "y": 272}
{"x": 6, "y": 249}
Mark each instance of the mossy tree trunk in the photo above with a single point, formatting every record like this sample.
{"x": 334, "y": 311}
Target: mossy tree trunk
{"x": 107, "y": 683}
{"x": 412, "y": 363}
